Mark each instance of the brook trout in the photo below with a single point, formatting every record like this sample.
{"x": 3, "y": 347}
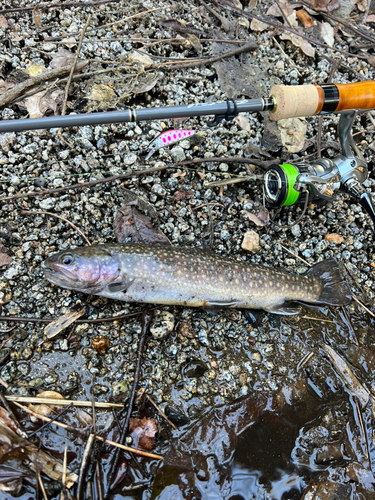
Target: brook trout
{"x": 192, "y": 277}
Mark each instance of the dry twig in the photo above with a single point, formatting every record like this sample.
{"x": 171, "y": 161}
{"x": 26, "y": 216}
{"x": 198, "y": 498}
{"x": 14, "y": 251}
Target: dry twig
{"x": 26, "y": 212}
{"x": 18, "y": 90}
{"x": 67, "y": 87}
{"x": 83, "y": 185}
{"x": 146, "y": 320}
{"x": 161, "y": 412}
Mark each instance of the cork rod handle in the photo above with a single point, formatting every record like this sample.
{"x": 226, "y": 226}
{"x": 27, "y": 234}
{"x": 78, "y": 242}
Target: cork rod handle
{"x": 309, "y": 100}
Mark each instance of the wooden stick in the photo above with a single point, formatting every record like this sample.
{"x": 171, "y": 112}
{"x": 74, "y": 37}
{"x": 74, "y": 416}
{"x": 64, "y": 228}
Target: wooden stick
{"x": 127, "y": 448}
{"x": 12, "y": 94}
{"x": 61, "y": 402}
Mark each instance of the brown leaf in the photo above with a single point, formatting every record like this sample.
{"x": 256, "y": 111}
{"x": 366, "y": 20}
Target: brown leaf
{"x": 195, "y": 43}
{"x": 325, "y": 5}
{"x": 296, "y": 40}
{"x": 183, "y": 195}
{"x": 138, "y": 225}
{"x": 4, "y": 86}
{"x": 146, "y": 83}
{"x": 61, "y": 58}
{"x": 142, "y": 431}
{"x": 69, "y": 43}
{"x": 242, "y": 122}
{"x": 5, "y": 259}
{"x": 55, "y": 327}
{"x": 7, "y": 420}
{"x": 336, "y": 238}
{"x": 3, "y": 22}
{"x": 176, "y": 25}
{"x": 37, "y": 18}
{"x": 100, "y": 344}
{"x": 261, "y": 218}
{"x": 305, "y": 18}
{"x": 327, "y": 33}
{"x": 131, "y": 224}
{"x": 275, "y": 11}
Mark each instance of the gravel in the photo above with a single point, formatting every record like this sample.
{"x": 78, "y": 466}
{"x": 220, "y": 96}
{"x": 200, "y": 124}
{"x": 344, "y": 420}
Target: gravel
{"x": 244, "y": 354}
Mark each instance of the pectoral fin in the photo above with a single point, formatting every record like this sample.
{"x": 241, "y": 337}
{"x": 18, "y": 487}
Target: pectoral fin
{"x": 123, "y": 286}
{"x": 285, "y": 309}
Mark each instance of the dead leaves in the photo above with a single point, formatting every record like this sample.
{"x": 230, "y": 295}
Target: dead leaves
{"x": 303, "y": 44}
{"x": 292, "y": 132}
{"x": 131, "y": 225}
{"x": 102, "y": 93}
{"x": 5, "y": 259}
{"x": 327, "y": 33}
{"x": 42, "y": 103}
{"x": 325, "y": 5}
{"x": 55, "y": 327}
{"x": 142, "y": 431}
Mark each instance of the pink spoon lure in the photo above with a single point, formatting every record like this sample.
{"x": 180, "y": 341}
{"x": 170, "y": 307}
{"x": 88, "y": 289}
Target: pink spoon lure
{"x": 167, "y": 138}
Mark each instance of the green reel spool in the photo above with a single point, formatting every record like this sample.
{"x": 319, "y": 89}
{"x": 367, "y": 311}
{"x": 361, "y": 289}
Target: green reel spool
{"x": 279, "y": 181}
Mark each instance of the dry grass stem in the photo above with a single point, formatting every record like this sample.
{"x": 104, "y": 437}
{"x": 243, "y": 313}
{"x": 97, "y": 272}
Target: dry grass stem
{"x": 295, "y": 255}
{"x": 363, "y": 306}
{"x": 127, "y": 448}
{"x": 161, "y": 412}
{"x": 61, "y": 402}
{"x": 41, "y": 212}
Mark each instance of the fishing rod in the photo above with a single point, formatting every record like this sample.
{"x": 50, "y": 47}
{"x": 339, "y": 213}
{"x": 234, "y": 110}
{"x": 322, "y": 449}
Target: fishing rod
{"x": 285, "y": 184}
{"x": 283, "y": 102}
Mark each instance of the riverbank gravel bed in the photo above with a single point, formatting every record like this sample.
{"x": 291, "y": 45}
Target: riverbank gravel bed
{"x": 192, "y": 359}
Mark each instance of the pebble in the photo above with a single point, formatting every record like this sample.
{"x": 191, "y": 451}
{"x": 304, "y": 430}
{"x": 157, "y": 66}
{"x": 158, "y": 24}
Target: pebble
{"x": 251, "y": 242}
{"x": 47, "y": 204}
{"x": 162, "y": 325}
{"x": 178, "y": 154}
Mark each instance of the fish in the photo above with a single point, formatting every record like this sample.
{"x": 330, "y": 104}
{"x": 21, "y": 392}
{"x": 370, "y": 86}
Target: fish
{"x": 192, "y": 277}
{"x": 166, "y": 139}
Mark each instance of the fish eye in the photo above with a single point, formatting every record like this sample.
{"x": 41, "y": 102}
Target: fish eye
{"x": 67, "y": 260}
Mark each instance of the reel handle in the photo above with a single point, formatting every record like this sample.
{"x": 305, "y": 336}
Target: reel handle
{"x": 354, "y": 188}
{"x": 309, "y": 100}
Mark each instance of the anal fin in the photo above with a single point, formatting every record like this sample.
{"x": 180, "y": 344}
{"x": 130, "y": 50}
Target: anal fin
{"x": 285, "y": 309}
{"x": 214, "y": 306}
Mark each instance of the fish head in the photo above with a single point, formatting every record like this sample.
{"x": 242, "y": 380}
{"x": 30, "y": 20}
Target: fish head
{"x": 87, "y": 269}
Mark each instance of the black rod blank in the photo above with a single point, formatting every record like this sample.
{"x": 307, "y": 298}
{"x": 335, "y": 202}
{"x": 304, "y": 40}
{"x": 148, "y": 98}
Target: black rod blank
{"x": 136, "y": 115}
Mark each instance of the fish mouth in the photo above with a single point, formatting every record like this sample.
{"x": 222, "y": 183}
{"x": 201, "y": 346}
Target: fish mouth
{"x": 53, "y": 273}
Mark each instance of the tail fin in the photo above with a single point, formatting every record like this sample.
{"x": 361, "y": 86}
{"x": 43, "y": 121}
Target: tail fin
{"x": 335, "y": 291}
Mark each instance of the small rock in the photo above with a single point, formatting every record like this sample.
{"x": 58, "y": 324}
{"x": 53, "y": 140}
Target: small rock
{"x": 321, "y": 246}
{"x": 335, "y": 238}
{"x": 49, "y": 47}
{"x": 178, "y": 154}
{"x": 159, "y": 190}
{"x": 47, "y": 204}
{"x": 251, "y": 242}
{"x": 176, "y": 416}
{"x": 7, "y": 141}
{"x": 185, "y": 329}
{"x": 195, "y": 369}
{"x": 130, "y": 159}
{"x": 296, "y": 230}
{"x": 162, "y": 325}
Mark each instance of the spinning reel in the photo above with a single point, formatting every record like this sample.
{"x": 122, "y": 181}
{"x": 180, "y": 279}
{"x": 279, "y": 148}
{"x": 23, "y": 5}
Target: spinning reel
{"x": 288, "y": 184}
